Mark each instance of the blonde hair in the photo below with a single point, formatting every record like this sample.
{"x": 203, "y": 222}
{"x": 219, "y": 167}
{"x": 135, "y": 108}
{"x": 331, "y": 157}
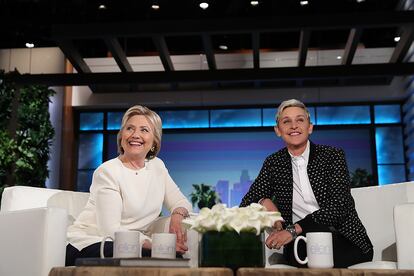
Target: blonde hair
{"x": 154, "y": 120}
{"x": 291, "y": 103}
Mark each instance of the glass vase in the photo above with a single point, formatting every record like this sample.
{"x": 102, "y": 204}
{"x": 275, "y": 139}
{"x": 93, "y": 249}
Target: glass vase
{"x": 232, "y": 250}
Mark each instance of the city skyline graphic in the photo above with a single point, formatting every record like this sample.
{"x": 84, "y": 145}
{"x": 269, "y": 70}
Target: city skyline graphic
{"x": 230, "y": 161}
{"x": 231, "y": 195}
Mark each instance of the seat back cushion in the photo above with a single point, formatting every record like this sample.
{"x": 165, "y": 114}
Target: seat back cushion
{"x": 73, "y": 202}
{"x": 25, "y": 197}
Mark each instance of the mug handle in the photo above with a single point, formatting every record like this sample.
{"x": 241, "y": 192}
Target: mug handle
{"x": 295, "y": 250}
{"x": 103, "y": 244}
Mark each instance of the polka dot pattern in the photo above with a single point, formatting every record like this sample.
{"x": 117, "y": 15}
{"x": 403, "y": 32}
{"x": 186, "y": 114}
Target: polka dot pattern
{"x": 329, "y": 178}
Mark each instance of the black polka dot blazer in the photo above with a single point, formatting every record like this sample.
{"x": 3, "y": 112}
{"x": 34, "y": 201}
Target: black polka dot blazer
{"x": 329, "y": 177}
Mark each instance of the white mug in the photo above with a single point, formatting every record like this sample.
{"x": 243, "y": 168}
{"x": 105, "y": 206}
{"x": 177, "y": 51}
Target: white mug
{"x": 318, "y": 248}
{"x": 163, "y": 245}
{"x": 126, "y": 245}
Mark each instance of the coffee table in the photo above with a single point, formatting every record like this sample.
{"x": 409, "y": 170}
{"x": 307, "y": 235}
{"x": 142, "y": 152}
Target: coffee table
{"x": 142, "y": 271}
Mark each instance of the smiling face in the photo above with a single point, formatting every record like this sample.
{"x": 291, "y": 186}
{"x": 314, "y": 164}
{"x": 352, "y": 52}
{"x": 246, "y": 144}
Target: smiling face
{"x": 294, "y": 128}
{"x": 137, "y": 137}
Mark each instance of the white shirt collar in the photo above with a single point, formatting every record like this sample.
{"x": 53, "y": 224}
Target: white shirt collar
{"x": 304, "y": 155}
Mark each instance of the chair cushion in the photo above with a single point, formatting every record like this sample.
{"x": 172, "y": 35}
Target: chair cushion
{"x": 375, "y": 265}
{"x": 73, "y": 202}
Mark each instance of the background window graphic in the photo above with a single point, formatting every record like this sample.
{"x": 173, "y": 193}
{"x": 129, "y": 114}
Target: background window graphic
{"x": 236, "y": 117}
{"x": 91, "y": 121}
{"x": 343, "y": 115}
{"x": 90, "y": 150}
{"x": 269, "y": 116}
{"x": 89, "y": 158}
{"x": 184, "y": 119}
{"x": 114, "y": 120}
{"x": 225, "y": 148}
{"x": 390, "y": 155}
{"x": 387, "y": 114}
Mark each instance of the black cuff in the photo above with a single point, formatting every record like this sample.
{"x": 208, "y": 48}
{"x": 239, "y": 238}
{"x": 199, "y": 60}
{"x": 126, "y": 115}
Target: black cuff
{"x": 306, "y": 223}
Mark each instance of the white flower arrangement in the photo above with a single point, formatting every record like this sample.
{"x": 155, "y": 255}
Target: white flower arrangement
{"x": 253, "y": 218}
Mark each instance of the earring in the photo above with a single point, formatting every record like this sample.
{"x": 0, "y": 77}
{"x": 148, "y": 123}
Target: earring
{"x": 152, "y": 149}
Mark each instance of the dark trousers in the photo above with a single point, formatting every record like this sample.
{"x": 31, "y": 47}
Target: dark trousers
{"x": 91, "y": 251}
{"x": 94, "y": 251}
{"x": 344, "y": 252}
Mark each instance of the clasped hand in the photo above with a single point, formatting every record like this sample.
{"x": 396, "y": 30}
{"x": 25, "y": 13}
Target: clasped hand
{"x": 278, "y": 237}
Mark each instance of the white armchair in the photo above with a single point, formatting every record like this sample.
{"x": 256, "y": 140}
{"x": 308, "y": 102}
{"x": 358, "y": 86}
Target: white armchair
{"x": 375, "y": 206}
{"x": 33, "y": 223}
{"x": 404, "y": 230}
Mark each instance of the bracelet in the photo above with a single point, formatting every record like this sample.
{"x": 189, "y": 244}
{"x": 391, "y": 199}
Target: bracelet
{"x": 184, "y": 214}
{"x": 292, "y": 230}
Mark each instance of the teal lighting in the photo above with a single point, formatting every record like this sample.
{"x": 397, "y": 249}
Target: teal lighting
{"x": 269, "y": 116}
{"x": 389, "y": 174}
{"x": 387, "y": 114}
{"x": 236, "y": 117}
{"x": 91, "y": 121}
{"x": 90, "y": 150}
{"x": 184, "y": 119}
{"x": 114, "y": 120}
{"x": 343, "y": 115}
{"x": 389, "y": 145}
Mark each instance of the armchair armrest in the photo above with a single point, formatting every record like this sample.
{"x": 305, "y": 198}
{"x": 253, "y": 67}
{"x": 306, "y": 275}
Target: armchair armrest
{"x": 404, "y": 225}
{"x": 32, "y": 241}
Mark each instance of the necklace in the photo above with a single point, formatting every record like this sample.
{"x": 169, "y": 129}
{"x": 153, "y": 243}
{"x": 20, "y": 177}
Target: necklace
{"x": 135, "y": 167}
{"x": 131, "y": 165}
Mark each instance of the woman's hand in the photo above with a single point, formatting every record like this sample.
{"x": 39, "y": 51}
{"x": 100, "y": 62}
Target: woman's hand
{"x": 268, "y": 204}
{"x": 278, "y": 226}
{"x": 277, "y": 239}
{"x": 177, "y": 229}
{"x": 147, "y": 244}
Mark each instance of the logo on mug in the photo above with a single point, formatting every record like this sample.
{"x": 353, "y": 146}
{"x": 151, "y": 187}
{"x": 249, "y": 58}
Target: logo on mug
{"x": 319, "y": 249}
{"x": 163, "y": 249}
{"x": 127, "y": 248}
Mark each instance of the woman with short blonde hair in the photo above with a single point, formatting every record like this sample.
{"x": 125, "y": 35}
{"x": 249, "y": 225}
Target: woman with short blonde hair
{"x": 310, "y": 185}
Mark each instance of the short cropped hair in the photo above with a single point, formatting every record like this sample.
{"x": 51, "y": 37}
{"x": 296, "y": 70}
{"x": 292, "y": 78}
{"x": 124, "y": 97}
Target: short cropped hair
{"x": 291, "y": 103}
{"x": 155, "y": 122}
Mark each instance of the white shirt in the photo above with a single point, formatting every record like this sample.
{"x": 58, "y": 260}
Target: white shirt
{"x": 125, "y": 199}
{"x": 304, "y": 201}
